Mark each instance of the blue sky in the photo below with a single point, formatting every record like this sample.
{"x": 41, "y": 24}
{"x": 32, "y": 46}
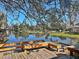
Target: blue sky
{"x": 11, "y": 20}
{"x": 32, "y": 21}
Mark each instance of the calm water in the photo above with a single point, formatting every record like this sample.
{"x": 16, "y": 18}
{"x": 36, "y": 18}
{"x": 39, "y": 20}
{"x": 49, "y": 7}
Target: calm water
{"x": 31, "y": 37}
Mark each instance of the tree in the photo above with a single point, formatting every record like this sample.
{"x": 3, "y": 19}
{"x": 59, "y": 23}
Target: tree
{"x": 59, "y": 11}
{"x": 3, "y": 22}
{"x": 29, "y": 8}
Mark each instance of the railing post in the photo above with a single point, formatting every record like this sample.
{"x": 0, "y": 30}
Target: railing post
{"x": 21, "y": 43}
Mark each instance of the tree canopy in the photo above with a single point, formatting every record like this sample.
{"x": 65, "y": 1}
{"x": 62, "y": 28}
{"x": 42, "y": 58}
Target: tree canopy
{"x": 53, "y": 12}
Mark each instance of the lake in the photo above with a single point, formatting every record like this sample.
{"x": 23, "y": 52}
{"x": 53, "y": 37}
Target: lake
{"x": 12, "y": 38}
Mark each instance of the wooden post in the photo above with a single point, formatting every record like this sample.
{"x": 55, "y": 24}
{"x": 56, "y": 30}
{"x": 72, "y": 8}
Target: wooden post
{"x": 48, "y": 45}
{"x": 22, "y": 46}
{"x": 58, "y": 48}
{"x": 71, "y": 53}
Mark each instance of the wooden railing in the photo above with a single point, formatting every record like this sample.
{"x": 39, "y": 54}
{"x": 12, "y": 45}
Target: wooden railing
{"x": 34, "y": 44}
{"x": 73, "y": 50}
{"x": 25, "y": 45}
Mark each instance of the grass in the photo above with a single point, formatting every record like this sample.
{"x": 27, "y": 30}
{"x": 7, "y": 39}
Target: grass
{"x": 56, "y": 34}
{"x": 63, "y": 35}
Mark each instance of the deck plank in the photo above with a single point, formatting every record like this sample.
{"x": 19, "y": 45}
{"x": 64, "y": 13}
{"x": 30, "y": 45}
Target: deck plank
{"x": 50, "y": 53}
{"x": 34, "y": 55}
{"x": 13, "y": 56}
{"x": 16, "y": 55}
{"x": 41, "y": 54}
{"x": 23, "y": 55}
{"x": 7, "y": 55}
{"x": 1, "y": 55}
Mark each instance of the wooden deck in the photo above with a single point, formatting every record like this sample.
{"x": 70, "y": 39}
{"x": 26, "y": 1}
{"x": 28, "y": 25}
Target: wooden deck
{"x": 34, "y": 54}
{"x": 40, "y": 54}
{"x": 8, "y": 51}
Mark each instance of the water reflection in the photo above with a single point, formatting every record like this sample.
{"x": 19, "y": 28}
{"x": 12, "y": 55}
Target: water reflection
{"x": 12, "y": 38}
{"x": 66, "y": 41}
